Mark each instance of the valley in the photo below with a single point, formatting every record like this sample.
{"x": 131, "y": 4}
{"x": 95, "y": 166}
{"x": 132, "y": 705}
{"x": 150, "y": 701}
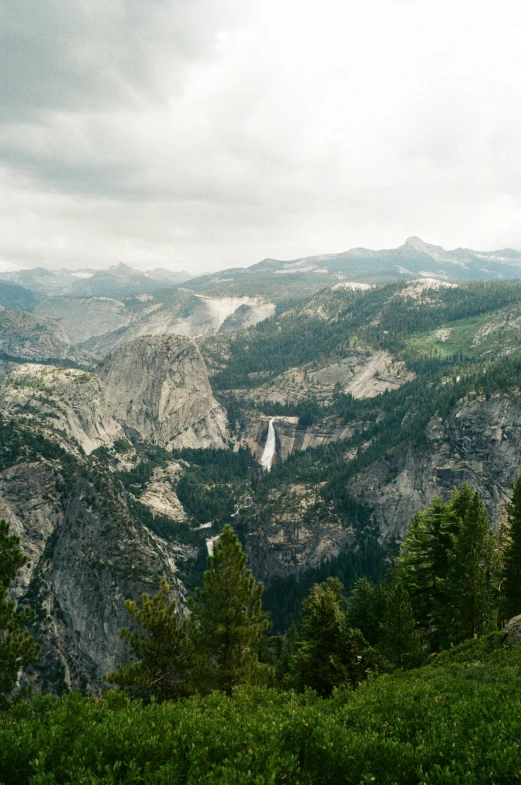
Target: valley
{"x": 133, "y": 429}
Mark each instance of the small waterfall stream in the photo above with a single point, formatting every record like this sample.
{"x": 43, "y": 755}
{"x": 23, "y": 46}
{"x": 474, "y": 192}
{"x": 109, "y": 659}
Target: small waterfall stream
{"x": 209, "y": 544}
{"x": 269, "y": 448}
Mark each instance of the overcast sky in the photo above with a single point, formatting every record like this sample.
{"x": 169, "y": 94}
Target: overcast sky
{"x": 203, "y": 134}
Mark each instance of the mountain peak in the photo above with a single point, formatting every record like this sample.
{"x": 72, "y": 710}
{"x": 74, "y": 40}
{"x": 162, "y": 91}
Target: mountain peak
{"x": 121, "y": 269}
{"x": 417, "y": 243}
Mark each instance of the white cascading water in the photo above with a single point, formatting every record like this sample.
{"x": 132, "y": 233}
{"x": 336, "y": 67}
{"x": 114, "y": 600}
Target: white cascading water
{"x": 209, "y": 544}
{"x": 269, "y": 448}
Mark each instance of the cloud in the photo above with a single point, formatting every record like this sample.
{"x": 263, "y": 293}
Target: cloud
{"x": 99, "y": 54}
{"x": 206, "y": 133}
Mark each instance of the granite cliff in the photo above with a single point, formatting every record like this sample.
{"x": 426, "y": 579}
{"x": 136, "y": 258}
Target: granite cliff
{"x": 26, "y": 336}
{"x": 154, "y": 388}
{"x": 479, "y": 443}
{"x": 87, "y": 552}
{"x": 87, "y": 538}
{"x": 100, "y": 324}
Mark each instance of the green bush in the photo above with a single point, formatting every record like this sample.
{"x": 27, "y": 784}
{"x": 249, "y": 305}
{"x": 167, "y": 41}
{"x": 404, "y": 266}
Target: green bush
{"x": 457, "y": 721}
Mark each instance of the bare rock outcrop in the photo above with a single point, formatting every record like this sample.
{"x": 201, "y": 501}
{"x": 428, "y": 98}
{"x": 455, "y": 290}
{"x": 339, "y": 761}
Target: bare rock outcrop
{"x": 28, "y": 337}
{"x": 362, "y": 373}
{"x": 159, "y": 495}
{"x": 100, "y": 324}
{"x": 512, "y": 632}
{"x": 87, "y": 554}
{"x": 154, "y": 389}
{"x": 83, "y": 318}
{"x": 290, "y": 435}
{"x": 287, "y": 541}
{"x": 158, "y": 389}
{"x": 480, "y": 444}
{"x": 291, "y": 548}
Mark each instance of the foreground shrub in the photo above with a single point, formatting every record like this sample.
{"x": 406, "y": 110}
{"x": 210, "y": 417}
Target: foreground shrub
{"x": 454, "y": 723}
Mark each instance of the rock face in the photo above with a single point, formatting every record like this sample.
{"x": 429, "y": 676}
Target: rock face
{"x": 25, "y": 336}
{"x": 284, "y": 540}
{"x": 100, "y": 324}
{"x": 290, "y": 435}
{"x": 158, "y": 389}
{"x": 87, "y": 554}
{"x": 159, "y": 495}
{"x": 87, "y": 545}
{"x": 480, "y": 443}
{"x": 83, "y": 318}
{"x": 291, "y": 547}
{"x": 512, "y": 632}
{"x": 362, "y": 373}
{"x": 154, "y": 389}
{"x": 247, "y": 315}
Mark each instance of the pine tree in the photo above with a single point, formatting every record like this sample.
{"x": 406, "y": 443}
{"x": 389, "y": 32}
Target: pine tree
{"x": 416, "y": 569}
{"x": 331, "y": 653}
{"x": 321, "y": 659}
{"x": 365, "y": 609}
{"x": 285, "y": 666}
{"x": 400, "y": 642}
{"x": 424, "y": 564}
{"x": 163, "y": 657}
{"x": 228, "y": 623}
{"x": 469, "y": 580}
{"x": 512, "y": 560}
{"x": 502, "y": 543}
{"x": 17, "y": 648}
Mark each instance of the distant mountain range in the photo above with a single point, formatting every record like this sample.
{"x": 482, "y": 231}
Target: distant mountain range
{"x": 117, "y": 281}
{"x": 272, "y": 280}
{"x": 14, "y": 296}
{"x": 413, "y": 259}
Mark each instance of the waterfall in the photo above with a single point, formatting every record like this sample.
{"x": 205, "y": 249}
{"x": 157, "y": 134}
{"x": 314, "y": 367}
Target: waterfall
{"x": 269, "y": 448}
{"x": 209, "y": 544}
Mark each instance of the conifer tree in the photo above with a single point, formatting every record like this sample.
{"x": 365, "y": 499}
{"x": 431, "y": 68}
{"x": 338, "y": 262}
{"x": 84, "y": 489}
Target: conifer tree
{"x": 469, "y": 580}
{"x": 321, "y": 659}
{"x": 162, "y": 650}
{"x": 448, "y": 564}
{"x": 365, "y": 609}
{"x": 400, "y": 642}
{"x": 17, "y": 647}
{"x": 331, "y": 653}
{"x": 502, "y": 543}
{"x": 286, "y": 648}
{"x": 424, "y": 564}
{"x": 228, "y": 623}
{"x": 512, "y": 559}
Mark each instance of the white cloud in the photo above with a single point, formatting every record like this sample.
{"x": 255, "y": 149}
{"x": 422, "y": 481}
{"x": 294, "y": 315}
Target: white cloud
{"x": 206, "y": 133}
